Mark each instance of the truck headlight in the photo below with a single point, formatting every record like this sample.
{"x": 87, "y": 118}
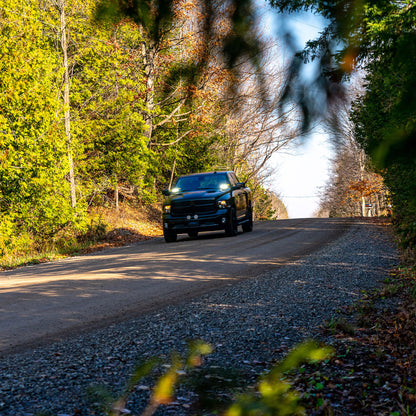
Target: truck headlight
{"x": 222, "y": 204}
{"x": 166, "y": 209}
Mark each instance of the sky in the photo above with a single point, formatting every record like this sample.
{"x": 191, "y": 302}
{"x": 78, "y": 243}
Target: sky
{"x": 300, "y": 172}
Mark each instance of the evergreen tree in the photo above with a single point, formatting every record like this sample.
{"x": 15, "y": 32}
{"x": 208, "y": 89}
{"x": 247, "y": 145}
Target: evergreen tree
{"x": 34, "y": 192}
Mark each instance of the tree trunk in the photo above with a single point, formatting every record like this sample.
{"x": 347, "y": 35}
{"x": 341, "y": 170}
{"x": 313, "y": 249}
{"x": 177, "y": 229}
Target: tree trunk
{"x": 377, "y": 207}
{"x": 361, "y": 158}
{"x": 116, "y": 195}
{"x": 67, "y": 115}
{"x": 172, "y": 174}
{"x": 149, "y": 55}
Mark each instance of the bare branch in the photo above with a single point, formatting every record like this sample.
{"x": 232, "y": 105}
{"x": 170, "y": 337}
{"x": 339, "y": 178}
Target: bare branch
{"x": 172, "y": 143}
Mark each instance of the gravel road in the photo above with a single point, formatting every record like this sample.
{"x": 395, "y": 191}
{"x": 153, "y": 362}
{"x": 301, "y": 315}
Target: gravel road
{"x": 250, "y": 324}
{"x": 52, "y": 301}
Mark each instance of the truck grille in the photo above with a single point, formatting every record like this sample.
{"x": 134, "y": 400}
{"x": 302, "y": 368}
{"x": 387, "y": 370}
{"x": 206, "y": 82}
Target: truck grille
{"x": 182, "y": 208}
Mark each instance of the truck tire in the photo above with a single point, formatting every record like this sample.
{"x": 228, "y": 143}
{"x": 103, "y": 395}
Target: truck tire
{"x": 231, "y": 229}
{"x": 248, "y": 225}
{"x": 170, "y": 236}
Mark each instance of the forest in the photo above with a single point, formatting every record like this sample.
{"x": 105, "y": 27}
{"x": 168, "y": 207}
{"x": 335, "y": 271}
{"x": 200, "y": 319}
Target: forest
{"x": 369, "y": 48}
{"x": 96, "y": 112}
{"x": 103, "y": 102}
{"x": 106, "y": 101}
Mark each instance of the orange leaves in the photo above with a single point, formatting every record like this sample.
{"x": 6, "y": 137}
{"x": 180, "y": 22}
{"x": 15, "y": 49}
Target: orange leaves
{"x": 192, "y": 91}
{"x": 366, "y": 187}
{"x": 350, "y": 59}
{"x": 184, "y": 9}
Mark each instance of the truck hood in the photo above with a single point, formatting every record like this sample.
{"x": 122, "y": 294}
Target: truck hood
{"x": 201, "y": 194}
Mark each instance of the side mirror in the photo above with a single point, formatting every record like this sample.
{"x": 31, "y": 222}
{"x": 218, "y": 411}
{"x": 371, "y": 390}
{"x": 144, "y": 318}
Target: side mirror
{"x": 166, "y": 192}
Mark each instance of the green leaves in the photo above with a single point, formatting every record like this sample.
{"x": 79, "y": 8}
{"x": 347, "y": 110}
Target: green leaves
{"x": 154, "y": 17}
{"x": 33, "y": 191}
{"x": 384, "y": 116}
{"x": 106, "y": 122}
{"x": 275, "y": 395}
{"x": 164, "y": 386}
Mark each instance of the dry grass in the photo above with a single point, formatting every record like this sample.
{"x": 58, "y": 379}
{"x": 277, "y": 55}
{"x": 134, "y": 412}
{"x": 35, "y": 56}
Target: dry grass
{"x": 144, "y": 220}
{"x": 108, "y": 228}
{"x": 127, "y": 225}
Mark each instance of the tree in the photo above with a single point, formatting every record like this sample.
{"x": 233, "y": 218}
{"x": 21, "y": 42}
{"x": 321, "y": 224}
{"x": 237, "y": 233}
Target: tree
{"x": 378, "y": 38}
{"x": 109, "y": 123}
{"x": 268, "y": 206}
{"x": 193, "y": 122}
{"x": 385, "y": 116}
{"x": 106, "y": 103}
{"x": 34, "y": 196}
{"x": 383, "y": 131}
{"x": 254, "y": 129}
{"x": 178, "y": 116}
{"x": 103, "y": 133}
{"x": 60, "y": 5}
{"x": 354, "y": 187}
{"x": 356, "y": 35}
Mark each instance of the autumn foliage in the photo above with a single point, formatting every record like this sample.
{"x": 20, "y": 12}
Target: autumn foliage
{"x": 104, "y": 105}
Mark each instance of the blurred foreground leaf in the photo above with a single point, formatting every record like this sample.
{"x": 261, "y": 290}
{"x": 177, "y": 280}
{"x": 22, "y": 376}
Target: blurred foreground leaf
{"x": 275, "y": 395}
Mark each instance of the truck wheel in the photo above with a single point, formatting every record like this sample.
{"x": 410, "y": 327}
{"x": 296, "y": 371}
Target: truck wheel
{"x": 170, "y": 236}
{"x": 248, "y": 226}
{"x": 193, "y": 234}
{"x": 231, "y": 227}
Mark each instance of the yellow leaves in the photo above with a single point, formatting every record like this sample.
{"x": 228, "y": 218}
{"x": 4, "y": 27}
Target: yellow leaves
{"x": 164, "y": 389}
{"x": 3, "y": 159}
{"x": 309, "y": 351}
{"x": 234, "y": 410}
{"x": 275, "y": 395}
{"x": 204, "y": 119}
{"x": 184, "y": 9}
{"x": 196, "y": 350}
{"x": 366, "y": 187}
{"x": 270, "y": 389}
{"x": 192, "y": 90}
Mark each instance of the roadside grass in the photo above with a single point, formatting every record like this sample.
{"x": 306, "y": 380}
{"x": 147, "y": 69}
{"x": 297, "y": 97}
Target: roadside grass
{"x": 340, "y": 325}
{"x": 107, "y": 228}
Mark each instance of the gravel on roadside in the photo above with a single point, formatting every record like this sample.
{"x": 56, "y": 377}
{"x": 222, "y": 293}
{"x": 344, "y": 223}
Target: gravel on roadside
{"x": 251, "y": 324}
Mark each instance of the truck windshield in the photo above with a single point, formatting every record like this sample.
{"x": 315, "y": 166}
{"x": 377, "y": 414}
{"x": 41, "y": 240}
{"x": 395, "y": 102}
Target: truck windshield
{"x": 199, "y": 182}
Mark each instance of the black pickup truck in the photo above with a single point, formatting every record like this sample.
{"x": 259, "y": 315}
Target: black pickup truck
{"x": 205, "y": 202}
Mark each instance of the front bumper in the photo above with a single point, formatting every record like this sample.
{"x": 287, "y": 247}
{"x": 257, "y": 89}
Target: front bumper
{"x": 196, "y": 222}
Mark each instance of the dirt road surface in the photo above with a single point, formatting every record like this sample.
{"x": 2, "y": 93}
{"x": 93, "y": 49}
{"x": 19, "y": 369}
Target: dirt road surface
{"x": 51, "y": 301}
